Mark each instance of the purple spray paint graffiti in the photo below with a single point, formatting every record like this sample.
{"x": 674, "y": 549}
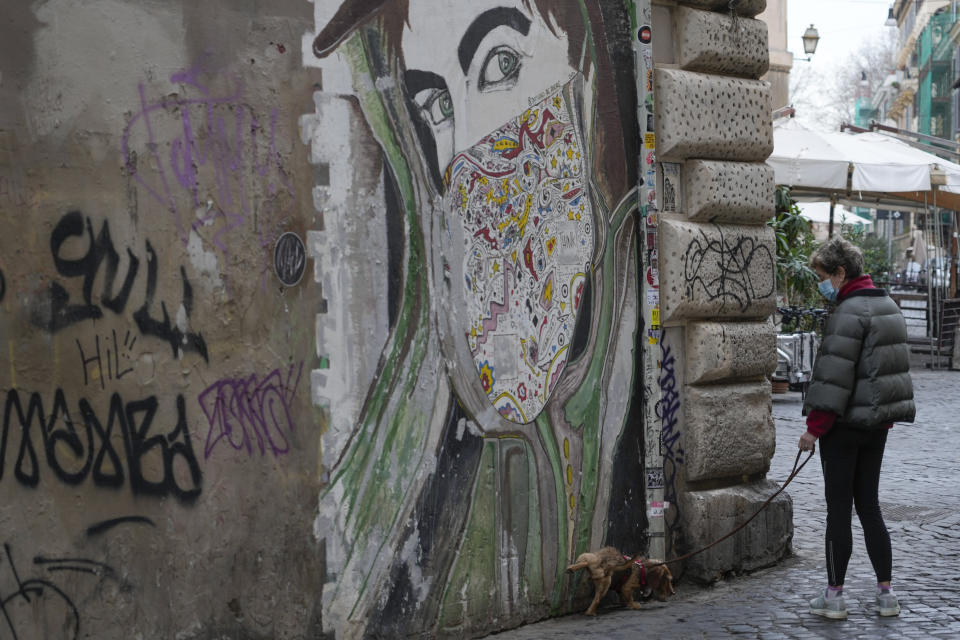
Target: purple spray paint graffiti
{"x": 250, "y": 414}
{"x": 216, "y": 134}
{"x": 669, "y": 406}
{"x": 668, "y": 410}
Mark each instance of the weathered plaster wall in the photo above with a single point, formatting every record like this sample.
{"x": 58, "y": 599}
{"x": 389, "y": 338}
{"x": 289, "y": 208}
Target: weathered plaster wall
{"x": 159, "y": 448}
{"x": 320, "y": 321}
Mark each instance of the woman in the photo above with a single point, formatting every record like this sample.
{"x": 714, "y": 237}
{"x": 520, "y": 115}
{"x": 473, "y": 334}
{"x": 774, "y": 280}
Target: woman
{"x": 861, "y": 386}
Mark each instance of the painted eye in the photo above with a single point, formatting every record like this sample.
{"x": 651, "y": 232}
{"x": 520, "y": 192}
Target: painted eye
{"x": 500, "y": 69}
{"x": 439, "y": 107}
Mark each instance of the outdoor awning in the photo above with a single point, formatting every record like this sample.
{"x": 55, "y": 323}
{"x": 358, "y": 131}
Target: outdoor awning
{"x": 864, "y": 168}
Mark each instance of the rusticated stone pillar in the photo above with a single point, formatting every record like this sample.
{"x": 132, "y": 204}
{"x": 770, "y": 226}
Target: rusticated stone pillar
{"x": 718, "y": 287}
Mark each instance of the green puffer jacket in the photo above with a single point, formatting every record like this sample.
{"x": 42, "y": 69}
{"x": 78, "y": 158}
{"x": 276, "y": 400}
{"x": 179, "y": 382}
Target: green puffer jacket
{"x": 862, "y": 370}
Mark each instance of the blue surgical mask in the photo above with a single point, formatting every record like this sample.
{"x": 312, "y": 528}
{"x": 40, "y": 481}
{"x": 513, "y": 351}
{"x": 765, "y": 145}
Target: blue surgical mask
{"x": 827, "y": 290}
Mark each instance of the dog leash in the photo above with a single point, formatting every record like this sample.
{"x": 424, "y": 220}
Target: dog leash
{"x": 797, "y": 466}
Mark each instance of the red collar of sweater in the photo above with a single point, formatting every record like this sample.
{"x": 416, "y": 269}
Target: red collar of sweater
{"x": 858, "y": 283}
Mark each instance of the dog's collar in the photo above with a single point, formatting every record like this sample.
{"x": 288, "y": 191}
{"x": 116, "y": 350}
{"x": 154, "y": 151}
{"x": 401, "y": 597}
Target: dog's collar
{"x": 643, "y": 570}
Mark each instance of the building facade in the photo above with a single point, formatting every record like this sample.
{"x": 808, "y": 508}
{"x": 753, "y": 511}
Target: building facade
{"x": 921, "y": 96}
{"x": 781, "y": 58}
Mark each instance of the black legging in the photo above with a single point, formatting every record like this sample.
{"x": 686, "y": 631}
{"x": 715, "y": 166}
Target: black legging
{"x": 851, "y": 460}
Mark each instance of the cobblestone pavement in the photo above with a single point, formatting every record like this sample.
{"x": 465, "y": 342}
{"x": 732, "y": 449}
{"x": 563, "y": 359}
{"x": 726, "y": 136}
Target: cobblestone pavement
{"x": 920, "y": 495}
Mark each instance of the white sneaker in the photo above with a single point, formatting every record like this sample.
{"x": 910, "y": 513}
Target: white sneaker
{"x": 834, "y": 608}
{"x": 887, "y": 603}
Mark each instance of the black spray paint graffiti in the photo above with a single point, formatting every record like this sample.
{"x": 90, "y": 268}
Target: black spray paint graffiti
{"x": 220, "y": 134}
{"x": 668, "y": 410}
{"x": 93, "y": 366}
{"x": 39, "y": 598}
{"x": 740, "y": 272}
{"x": 3, "y": 286}
{"x": 248, "y": 413}
{"x": 58, "y": 313}
{"x": 73, "y": 453}
{"x": 102, "y": 527}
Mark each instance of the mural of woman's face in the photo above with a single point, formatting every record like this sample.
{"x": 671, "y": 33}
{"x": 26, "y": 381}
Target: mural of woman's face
{"x": 471, "y": 66}
{"x": 494, "y": 85}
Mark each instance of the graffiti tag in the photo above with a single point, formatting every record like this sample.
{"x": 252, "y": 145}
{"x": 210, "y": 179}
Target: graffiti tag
{"x": 40, "y": 598}
{"x": 218, "y": 137}
{"x": 741, "y": 271}
{"x": 74, "y": 454}
{"x": 93, "y": 366}
{"x": 668, "y": 410}
{"x": 57, "y": 312}
{"x": 252, "y": 414}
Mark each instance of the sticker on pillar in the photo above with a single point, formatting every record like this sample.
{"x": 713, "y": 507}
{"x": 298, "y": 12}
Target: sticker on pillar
{"x": 645, "y": 34}
{"x": 649, "y": 79}
{"x": 653, "y": 279}
{"x": 649, "y": 107}
{"x": 655, "y": 478}
{"x": 671, "y": 188}
{"x": 289, "y": 258}
{"x": 655, "y": 318}
{"x": 653, "y": 297}
{"x": 657, "y": 508}
{"x": 650, "y": 158}
{"x": 652, "y": 219}
{"x": 650, "y": 140}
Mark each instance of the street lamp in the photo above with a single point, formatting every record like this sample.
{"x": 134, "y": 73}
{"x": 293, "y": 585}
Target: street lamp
{"x": 810, "y": 39}
{"x": 891, "y": 20}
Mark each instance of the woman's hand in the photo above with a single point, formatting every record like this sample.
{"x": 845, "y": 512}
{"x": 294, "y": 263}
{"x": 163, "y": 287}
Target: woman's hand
{"x": 808, "y": 441}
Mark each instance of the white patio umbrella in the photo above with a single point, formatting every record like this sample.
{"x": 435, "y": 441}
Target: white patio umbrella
{"x": 867, "y": 168}
{"x": 820, "y": 212}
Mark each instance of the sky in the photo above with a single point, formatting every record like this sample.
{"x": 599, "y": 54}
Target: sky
{"x": 843, "y": 25}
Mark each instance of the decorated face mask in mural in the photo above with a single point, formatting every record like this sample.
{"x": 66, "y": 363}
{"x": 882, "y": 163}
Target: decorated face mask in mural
{"x": 519, "y": 197}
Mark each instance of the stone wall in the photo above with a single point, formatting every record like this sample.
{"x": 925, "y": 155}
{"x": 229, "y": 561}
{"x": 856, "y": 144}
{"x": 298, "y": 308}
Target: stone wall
{"x": 717, "y": 289}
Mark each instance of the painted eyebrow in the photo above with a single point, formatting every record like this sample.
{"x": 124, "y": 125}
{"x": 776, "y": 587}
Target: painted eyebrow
{"x": 484, "y": 24}
{"x": 417, "y": 80}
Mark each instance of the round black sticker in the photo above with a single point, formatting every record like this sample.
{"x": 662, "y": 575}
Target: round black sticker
{"x": 289, "y": 258}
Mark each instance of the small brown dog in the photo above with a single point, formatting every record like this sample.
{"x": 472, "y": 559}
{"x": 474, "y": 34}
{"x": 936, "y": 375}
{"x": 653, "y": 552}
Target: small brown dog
{"x": 608, "y": 566}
